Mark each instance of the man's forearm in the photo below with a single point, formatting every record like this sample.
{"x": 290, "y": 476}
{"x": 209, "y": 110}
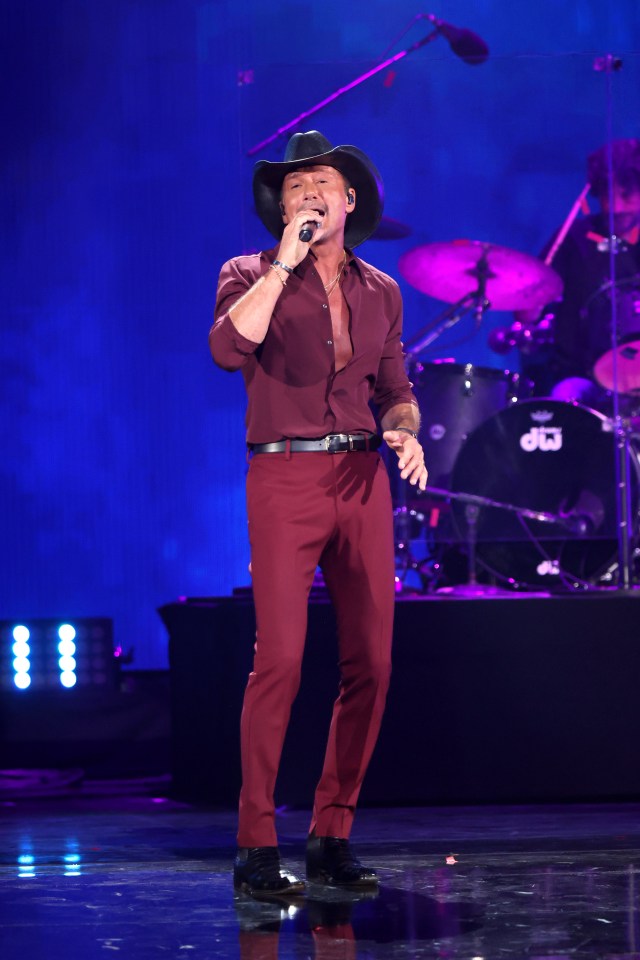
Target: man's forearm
{"x": 251, "y": 315}
{"x": 402, "y": 415}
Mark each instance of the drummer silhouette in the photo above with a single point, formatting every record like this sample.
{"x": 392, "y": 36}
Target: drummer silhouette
{"x": 576, "y": 364}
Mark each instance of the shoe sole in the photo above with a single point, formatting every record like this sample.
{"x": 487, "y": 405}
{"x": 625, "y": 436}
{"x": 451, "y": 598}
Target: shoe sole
{"x": 327, "y": 881}
{"x": 292, "y": 890}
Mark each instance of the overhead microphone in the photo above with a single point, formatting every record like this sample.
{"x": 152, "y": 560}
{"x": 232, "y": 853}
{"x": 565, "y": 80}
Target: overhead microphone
{"x": 467, "y": 45}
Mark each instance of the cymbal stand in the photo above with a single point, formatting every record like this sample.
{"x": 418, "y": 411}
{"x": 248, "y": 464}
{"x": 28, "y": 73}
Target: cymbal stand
{"x": 471, "y": 513}
{"x": 475, "y": 301}
{"x": 608, "y": 65}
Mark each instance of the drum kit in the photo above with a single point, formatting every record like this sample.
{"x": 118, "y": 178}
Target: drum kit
{"x": 524, "y": 489}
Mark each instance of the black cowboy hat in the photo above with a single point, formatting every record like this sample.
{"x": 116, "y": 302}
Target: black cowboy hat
{"x": 311, "y": 149}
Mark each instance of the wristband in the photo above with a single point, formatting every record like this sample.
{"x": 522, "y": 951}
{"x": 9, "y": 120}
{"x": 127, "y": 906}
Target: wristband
{"x": 407, "y": 430}
{"x": 283, "y": 266}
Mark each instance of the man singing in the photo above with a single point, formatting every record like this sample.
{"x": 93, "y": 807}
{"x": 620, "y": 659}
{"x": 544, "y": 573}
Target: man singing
{"x": 316, "y": 332}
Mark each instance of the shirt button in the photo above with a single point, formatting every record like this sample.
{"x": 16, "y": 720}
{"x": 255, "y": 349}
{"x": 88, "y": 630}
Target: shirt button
{"x": 324, "y": 306}
{"x": 330, "y": 343}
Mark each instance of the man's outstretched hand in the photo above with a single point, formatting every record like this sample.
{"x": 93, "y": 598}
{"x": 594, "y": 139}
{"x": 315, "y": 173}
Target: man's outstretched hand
{"x": 410, "y": 456}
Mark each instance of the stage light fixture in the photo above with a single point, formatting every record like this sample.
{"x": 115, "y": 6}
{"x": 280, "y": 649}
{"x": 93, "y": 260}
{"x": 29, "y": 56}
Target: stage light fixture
{"x": 48, "y": 655}
{"x": 67, "y": 634}
{"x": 21, "y": 664}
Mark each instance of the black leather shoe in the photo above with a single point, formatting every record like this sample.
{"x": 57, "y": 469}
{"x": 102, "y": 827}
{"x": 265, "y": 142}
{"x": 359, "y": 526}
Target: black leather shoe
{"x": 331, "y": 860}
{"x": 258, "y": 872}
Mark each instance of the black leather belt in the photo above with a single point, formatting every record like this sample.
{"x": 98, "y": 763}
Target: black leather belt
{"x": 333, "y": 443}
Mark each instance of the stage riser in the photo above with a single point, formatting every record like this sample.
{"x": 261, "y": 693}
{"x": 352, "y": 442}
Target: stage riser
{"x": 494, "y": 700}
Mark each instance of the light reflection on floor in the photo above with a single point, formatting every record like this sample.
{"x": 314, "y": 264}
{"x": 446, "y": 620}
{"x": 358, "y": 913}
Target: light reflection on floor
{"x": 141, "y": 878}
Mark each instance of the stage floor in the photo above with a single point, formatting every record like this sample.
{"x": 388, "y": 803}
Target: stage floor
{"x": 137, "y": 878}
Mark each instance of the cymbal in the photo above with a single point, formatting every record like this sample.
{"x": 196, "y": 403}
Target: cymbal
{"x": 389, "y": 229}
{"x": 449, "y": 272}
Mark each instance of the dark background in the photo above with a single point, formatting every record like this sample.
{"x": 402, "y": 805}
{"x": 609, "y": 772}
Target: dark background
{"x": 125, "y": 186}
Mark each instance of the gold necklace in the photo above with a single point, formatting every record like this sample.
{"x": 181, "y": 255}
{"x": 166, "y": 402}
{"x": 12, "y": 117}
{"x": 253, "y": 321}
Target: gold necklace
{"x": 330, "y": 287}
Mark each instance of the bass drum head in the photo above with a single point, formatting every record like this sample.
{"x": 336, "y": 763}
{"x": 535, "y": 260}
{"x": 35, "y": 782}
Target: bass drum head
{"x": 553, "y": 457}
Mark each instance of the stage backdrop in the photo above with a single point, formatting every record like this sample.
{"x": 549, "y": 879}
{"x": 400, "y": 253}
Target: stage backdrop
{"x": 126, "y": 184}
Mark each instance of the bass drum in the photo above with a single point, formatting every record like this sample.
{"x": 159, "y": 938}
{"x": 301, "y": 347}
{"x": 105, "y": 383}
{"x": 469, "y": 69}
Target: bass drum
{"x": 455, "y": 399}
{"x": 553, "y": 457}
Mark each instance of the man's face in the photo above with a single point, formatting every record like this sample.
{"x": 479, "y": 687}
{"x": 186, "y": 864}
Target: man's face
{"x": 321, "y": 190}
{"x": 626, "y": 208}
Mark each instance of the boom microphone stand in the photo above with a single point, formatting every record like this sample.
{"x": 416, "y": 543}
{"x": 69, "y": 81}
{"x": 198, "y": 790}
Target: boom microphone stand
{"x": 473, "y": 502}
{"x": 467, "y": 45}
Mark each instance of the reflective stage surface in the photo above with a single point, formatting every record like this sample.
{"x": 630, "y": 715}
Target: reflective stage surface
{"x": 141, "y": 878}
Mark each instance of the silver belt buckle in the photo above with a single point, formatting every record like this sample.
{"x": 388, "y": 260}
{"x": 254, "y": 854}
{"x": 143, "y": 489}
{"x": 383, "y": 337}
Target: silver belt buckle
{"x": 336, "y": 439}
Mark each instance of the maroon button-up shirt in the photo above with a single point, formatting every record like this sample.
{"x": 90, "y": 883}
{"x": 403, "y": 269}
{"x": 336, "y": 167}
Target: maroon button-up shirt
{"x": 292, "y": 385}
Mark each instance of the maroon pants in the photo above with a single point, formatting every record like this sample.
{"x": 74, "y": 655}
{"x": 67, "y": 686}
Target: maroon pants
{"x": 305, "y": 510}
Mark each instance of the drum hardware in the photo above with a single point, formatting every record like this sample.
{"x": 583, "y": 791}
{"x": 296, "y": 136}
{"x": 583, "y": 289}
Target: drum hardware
{"x": 557, "y": 455}
{"x": 618, "y": 370}
{"x": 511, "y": 280}
{"x": 475, "y": 301}
{"x": 505, "y": 280}
{"x": 404, "y": 519}
{"x": 576, "y": 523}
{"x": 624, "y": 508}
{"x": 472, "y": 504}
{"x": 527, "y": 337}
{"x": 474, "y": 500}
{"x": 608, "y": 65}
{"x": 455, "y": 399}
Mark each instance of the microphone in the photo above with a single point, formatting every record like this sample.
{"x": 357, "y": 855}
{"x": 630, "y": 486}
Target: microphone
{"x": 467, "y": 45}
{"x": 308, "y": 231}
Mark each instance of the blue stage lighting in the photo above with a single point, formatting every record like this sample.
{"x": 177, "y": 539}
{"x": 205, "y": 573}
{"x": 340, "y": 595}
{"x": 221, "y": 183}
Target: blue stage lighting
{"x": 57, "y": 655}
{"x": 67, "y": 648}
{"x": 20, "y": 649}
{"x": 67, "y": 633}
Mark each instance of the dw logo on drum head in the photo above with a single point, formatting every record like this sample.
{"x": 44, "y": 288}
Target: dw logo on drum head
{"x": 542, "y": 438}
